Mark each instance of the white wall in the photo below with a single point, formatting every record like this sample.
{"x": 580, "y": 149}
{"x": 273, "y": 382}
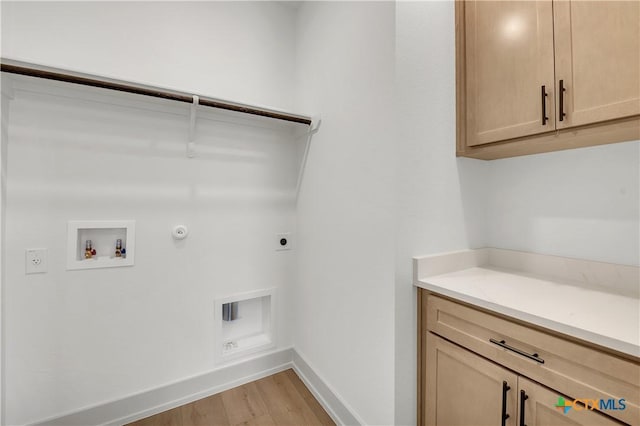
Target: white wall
{"x": 4, "y": 141}
{"x": 239, "y": 51}
{"x": 440, "y": 199}
{"x": 79, "y": 338}
{"x": 582, "y": 203}
{"x": 344, "y": 292}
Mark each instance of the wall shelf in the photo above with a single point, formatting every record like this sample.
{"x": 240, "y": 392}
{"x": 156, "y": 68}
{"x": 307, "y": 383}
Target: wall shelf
{"x": 50, "y": 73}
{"x": 103, "y": 236}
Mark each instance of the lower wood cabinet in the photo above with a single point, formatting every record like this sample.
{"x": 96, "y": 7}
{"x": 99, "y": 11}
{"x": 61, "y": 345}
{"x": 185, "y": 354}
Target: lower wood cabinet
{"x": 539, "y": 406}
{"x": 464, "y": 383}
{"x": 466, "y": 389}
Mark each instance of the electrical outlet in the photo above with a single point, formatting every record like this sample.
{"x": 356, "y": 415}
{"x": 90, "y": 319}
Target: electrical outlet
{"x": 283, "y": 241}
{"x": 36, "y": 261}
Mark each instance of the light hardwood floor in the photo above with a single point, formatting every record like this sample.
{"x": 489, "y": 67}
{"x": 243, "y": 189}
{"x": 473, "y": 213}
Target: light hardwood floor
{"x": 281, "y": 399}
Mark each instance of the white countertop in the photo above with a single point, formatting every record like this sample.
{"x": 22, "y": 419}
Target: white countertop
{"x": 588, "y": 310}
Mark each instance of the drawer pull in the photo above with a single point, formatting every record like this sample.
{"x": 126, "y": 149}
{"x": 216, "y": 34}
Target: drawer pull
{"x": 503, "y": 344}
{"x": 561, "y": 102}
{"x": 544, "y": 106}
{"x": 505, "y": 416}
{"x": 523, "y": 398}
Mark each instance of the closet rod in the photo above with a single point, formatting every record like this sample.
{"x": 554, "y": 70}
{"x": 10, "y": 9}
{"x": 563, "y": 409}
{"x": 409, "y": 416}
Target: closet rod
{"x": 122, "y": 86}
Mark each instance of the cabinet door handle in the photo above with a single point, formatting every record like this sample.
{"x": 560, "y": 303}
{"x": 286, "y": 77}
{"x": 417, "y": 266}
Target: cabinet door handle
{"x": 561, "y": 91}
{"x": 544, "y": 106}
{"x": 503, "y": 344}
{"x": 523, "y": 398}
{"x": 505, "y": 389}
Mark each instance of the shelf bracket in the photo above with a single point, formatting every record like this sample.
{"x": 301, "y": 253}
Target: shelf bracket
{"x": 192, "y": 127}
{"x": 313, "y": 129}
{"x": 315, "y": 123}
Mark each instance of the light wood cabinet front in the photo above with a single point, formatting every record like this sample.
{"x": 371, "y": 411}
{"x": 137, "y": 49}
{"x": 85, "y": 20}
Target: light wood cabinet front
{"x": 597, "y": 46}
{"x": 464, "y": 389}
{"x": 466, "y": 355}
{"x": 540, "y": 76}
{"x": 566, "y": 366}
{"x": 540, "y": 408}
{"x": 509, "y": 59}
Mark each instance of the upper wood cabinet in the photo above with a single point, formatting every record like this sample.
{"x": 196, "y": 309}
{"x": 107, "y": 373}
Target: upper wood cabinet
{"x": 536, "y": 76}
{"x": 509, "y": 61}
{"x": 597, "y": 47}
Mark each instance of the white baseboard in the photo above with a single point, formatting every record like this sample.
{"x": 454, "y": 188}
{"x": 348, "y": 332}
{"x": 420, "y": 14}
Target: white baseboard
{"x": 145, "y": 404}
{"x": 148, "y": 403}
{"x": 330, "y": 400}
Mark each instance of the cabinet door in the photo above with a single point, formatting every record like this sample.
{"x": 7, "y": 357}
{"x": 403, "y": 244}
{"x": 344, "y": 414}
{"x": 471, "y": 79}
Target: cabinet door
{"x": 464, "y": 389}
{"x": 509, "y": 58}
{"x": 541, "y": 408}
{"x": 598, "y": 59}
